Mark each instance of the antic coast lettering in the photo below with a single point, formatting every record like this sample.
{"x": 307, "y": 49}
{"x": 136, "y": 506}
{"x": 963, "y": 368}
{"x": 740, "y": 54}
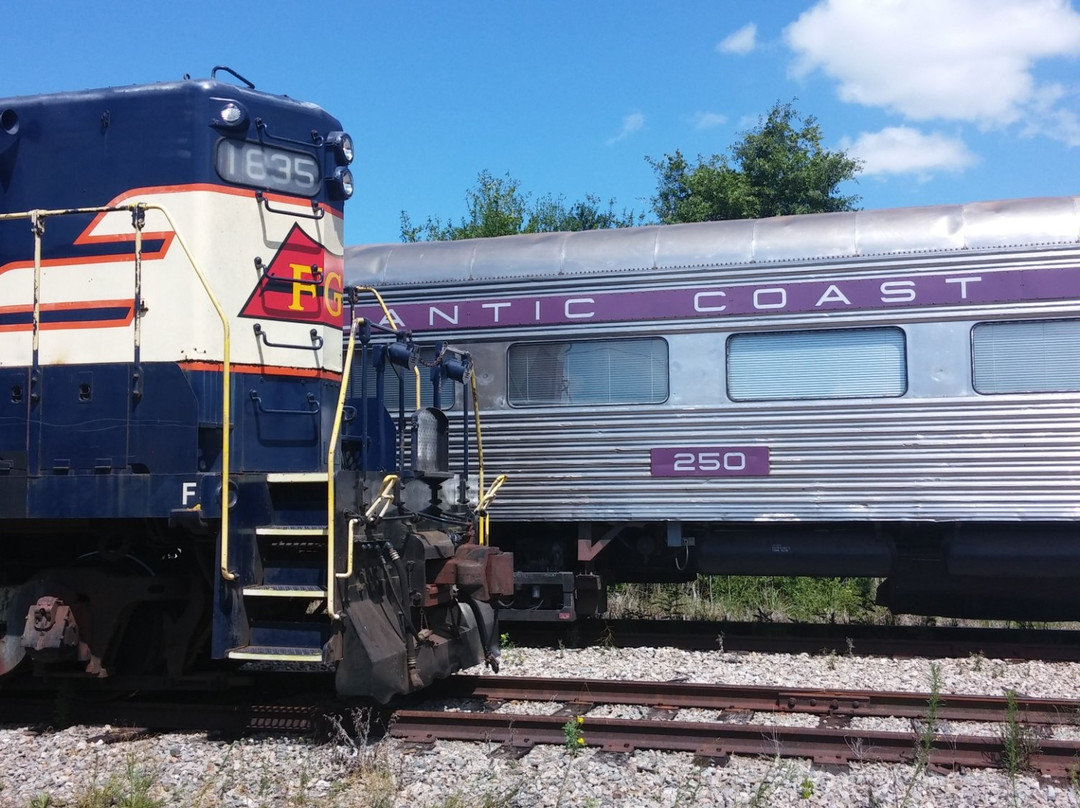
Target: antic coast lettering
{"x": 691, "y": 302}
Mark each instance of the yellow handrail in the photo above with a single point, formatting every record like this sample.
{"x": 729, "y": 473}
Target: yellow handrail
{"x": 483, "y": 521}
{"x": 339, "y": 410}
{"x": 351, "y": 538}
{"x": 37, "y": 224}
{"x": 226, "y": 395}
{"x": 331, "y": 460}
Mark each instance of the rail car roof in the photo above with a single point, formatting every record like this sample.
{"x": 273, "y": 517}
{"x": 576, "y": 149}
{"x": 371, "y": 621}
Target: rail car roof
{"x": 1006, "y": 224}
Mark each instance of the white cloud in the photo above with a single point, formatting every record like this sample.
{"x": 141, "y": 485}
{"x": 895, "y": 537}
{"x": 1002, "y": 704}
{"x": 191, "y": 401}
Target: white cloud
{"x": 967, "y": 60}
{"x": 903, "y": 150}
{"x": 1054, "y": 122}
{"x": 1059, "y": 124}
{"x": 741, "y": 42}
{"x": 708, "y": 120}
{"x": 631, "y": 124}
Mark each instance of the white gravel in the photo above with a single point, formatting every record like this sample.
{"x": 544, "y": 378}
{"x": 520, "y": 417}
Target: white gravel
{"x": 75, "y": 766}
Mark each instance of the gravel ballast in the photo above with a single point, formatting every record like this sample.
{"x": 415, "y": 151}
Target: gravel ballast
{"x": 65, "y": 768}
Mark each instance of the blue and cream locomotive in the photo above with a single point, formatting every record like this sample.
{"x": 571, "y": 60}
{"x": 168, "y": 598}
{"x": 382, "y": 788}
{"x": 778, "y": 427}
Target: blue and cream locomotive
{"x": 190, "y": 469}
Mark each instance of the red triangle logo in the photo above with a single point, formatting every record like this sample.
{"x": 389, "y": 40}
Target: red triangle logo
{"x": 302, "y": 283}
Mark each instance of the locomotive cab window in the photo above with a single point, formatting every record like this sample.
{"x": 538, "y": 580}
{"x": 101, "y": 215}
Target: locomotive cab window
{"x": 835, "y": 363}
{"x": 1033, "y": 356}
{"x": 588, "y": 372}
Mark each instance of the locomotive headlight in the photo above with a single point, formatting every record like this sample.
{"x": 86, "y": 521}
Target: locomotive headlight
{"x": 342, "y": 145}
{"x": 230, "y": 115}
{"x": 9, "y": 121}
{"x": 9, "y": 128}
{"x": 456, "y": 369}
{"x": 342, "y": 183}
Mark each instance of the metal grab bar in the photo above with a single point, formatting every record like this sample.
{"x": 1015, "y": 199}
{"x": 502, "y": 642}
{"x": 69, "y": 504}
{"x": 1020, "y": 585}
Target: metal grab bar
{"x": 312, "y": 400}
{"x": 352, "y": 540}
{"x": 316, "y": 211}
{"x": 331, "y": 458}
{"x": 316, "y": 340}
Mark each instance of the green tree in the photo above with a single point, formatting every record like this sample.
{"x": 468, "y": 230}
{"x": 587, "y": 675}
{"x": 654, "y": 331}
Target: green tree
{"x": 498, "y": 207}
{"x": 549, "y": 215}
{"x": 777, "y": 169}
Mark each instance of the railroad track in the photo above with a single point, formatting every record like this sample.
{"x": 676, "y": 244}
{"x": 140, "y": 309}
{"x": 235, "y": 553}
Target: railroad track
{"x": 833, "y": 742}
{"x": 729, "y": 730}
{"x": 938, "y": 642}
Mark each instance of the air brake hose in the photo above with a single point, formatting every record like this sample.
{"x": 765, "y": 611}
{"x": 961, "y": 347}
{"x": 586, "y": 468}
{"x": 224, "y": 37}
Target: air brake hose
{"x": 390, "y": 554}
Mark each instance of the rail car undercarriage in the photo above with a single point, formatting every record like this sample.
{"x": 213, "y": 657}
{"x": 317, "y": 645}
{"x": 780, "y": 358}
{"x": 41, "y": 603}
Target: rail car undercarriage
{"x": 1008, "y": 571}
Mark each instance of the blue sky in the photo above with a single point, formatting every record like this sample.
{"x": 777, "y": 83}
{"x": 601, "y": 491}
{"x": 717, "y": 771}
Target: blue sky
{"x": 945, "y": 100}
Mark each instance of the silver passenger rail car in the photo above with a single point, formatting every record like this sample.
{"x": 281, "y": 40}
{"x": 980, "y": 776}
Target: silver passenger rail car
{"x": 889, "y": 393}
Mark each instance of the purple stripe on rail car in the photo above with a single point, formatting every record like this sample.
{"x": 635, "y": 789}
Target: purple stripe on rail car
{"x": 909, "y": 290}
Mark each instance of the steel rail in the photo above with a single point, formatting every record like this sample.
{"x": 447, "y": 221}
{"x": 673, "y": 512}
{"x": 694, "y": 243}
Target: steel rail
{"x": 1049, "y": 645}
{"x": 749, "y": 698}
{"x": 823, "y": 746}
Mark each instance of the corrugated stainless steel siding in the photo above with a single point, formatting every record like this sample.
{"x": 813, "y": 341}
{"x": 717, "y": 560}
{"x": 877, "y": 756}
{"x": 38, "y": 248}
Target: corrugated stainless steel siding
{"x": 905, "y": 460}
{"x": 940, "y": 452}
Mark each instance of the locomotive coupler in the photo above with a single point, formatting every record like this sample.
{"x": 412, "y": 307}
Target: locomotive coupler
{"x": 51, "y": 633}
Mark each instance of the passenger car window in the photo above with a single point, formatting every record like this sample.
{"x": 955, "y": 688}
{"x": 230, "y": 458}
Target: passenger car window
{"x": 1033, "y": 356}
{"x": 588, "y": 372}
{"x": 835, "y": 363}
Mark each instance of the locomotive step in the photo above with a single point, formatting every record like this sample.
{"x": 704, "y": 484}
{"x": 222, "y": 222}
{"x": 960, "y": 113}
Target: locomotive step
{"x": 285, "y": 591}
{"x": 278, "y": 654}
{"x": 291, "y": 530}
{"x": 298, "y": 477}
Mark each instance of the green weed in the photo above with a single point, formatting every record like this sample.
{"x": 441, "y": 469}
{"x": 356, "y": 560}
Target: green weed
{"x": 1018, "y": 742}
{"x": 575, "y": 735}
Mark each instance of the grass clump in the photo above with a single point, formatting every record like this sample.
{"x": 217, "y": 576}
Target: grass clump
{"x": 762, "y": 598}
{"x": 132, "y": 790}
{"x": 925, "y": 733}
{"x": 362, "y": 761}
{"x": 1018, "y": 742}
